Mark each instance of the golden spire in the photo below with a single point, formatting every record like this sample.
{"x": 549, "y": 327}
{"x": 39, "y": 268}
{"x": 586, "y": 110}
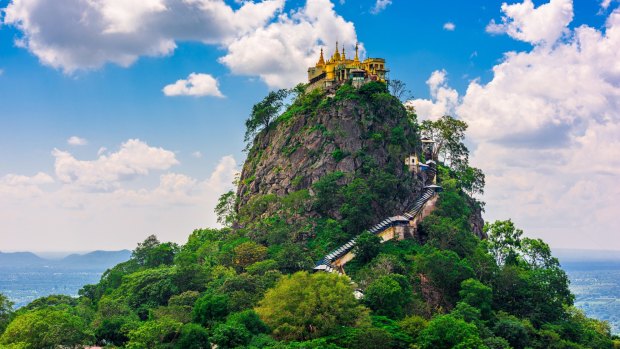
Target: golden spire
{"x": 344, "y": 57}
{"x": 357, "y": 59}
{"x": 321, "y": 61}
{"x": 336, "y": 56}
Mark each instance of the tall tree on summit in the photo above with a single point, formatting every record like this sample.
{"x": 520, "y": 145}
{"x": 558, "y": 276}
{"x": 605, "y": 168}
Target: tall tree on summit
{"x": 265, "y": 112}
{"x": 448, "y": 134}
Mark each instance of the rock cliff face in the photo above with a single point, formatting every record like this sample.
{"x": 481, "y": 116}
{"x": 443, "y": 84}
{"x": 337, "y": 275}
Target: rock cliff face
{"x": 352, "y": 133}
{"x": 362, "y": 136}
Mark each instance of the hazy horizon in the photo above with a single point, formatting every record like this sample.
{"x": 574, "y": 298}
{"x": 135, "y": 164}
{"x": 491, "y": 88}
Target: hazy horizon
{"x": 557, "y": 252}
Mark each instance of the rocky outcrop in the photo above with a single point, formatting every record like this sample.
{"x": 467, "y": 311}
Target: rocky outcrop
{"x": 351, "y": 135}
{"x": 475, "y": 220}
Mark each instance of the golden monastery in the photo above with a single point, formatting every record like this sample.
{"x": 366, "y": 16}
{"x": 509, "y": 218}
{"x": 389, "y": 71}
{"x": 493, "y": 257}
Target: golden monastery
{"x": 339, "y": 69}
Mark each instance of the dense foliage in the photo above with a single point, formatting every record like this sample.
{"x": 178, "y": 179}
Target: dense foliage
{"x": 248, "y": 285}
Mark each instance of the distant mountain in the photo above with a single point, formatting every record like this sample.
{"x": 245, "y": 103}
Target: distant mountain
{"x": 574, "y": 259}
{"x": 575, "y": 255}
{"x": 94, "y": 260}
{"x": 21, "y": 260}
{"x": 97, "y": 260}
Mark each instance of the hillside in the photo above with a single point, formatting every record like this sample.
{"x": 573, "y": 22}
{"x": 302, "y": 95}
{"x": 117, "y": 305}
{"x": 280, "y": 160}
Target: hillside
{"x": 353, "y": 226}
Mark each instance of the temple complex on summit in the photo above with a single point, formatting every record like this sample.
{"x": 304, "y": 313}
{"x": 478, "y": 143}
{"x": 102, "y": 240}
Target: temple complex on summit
{"x": 338, "y": 69}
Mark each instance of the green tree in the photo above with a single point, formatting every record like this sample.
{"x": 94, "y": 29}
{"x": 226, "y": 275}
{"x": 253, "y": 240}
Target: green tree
{"x": 399, "y": 90}
{"x": 497, "y": 343}
{"x": 304, "y": 306}
{"x": 447, "y": 233}
{"x": 292, "y": 258}
{"x": 193, "y": 336}
{"x": 230, "y": 335}
{"x": 248, "y": 253}
{"x": 6, "y": 311}
{"x": 388, "y": 295}
{"x": 154, "y": 334}
{"x": 478, "y": 295}
{"x": 472, "y": 180}
{"x": 264, "y": 113}
{"x": 51, "y": 301}
{"x": 448, "y": 332}
{"x": 327, "y": 192}
{"x": 147, "y": 289}
{"x": 443, "y": 272}
{"x": 250, "y": 320}
{"x": 225, "y": 210}
{"x": 413, "y": 325}
{"x": 448, "y": 134}
{"x": 513, "y": 330}
{"x": 357, "y": 210}
{"x": 115, "y": 330}
{"x": 211, "y": 308}
{"x": 531, "y": 283}
{"x": 504, "y": 241}
{"x": 47, "y": 328}
{"x": 367, "y": 247}
{"x": 151, "y": 253}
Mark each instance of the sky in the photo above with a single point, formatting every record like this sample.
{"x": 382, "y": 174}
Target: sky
{"x": 125, "y": 118}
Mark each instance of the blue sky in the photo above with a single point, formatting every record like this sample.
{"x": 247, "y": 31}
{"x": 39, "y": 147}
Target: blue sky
{"x": 145, "y": 162}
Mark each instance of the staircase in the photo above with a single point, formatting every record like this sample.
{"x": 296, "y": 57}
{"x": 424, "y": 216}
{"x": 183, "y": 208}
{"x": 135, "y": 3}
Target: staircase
{"x": 326, "y": 263}
{"x": 429, "y": 192}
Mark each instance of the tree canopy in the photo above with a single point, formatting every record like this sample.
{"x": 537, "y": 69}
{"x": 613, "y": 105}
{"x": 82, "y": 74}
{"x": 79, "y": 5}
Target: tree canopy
{"x": 305, "y": 306}
{"x": 265, "y": 112}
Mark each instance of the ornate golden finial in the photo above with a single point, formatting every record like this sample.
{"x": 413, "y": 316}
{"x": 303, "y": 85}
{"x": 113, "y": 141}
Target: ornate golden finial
{"x": 357, "y": 59}
{"x": 344, "y": 57}
{"x": 336, "y": 56}
{"x": 321, "y": 61}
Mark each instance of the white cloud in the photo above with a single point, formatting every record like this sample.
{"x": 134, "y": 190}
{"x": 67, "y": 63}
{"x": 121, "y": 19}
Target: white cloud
{"x": 95, "y": 32}
{"x": 197, "y": 154}
{"x": 20, "y": 187}
{"x": 168, "y": 204}
{"x": 544, "y": 24}
{"x": 258, "y": 38}
{"x": 106, "y": 172}
{"x": 196, "y": 85}
{"x": 75, "y": 140}
{"x": 280, "y": 52}
{"x": 546, "y": 131}
{"x": 380, "y": 5}
{"x": 443, "y": 100}
{"x": 449, "y": 26}
{"x": 605, "y": 4}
